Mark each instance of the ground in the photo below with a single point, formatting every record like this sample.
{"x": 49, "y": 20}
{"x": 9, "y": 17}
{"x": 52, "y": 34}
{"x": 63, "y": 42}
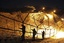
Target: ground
{"x": 48, "y": 40}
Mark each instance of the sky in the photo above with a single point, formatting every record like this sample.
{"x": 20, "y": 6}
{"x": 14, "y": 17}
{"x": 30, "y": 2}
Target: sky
{"x": 37, "y": 3}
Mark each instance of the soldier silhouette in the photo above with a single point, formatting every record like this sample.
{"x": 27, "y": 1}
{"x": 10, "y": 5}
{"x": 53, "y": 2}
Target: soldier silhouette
{"x": 43, "y": 33}
{"x": 23, "y": 32}
{"x": 34, "y": 33}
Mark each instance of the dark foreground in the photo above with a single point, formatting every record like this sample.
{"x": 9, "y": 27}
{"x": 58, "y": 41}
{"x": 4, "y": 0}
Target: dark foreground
{"x": 18, "y": 40}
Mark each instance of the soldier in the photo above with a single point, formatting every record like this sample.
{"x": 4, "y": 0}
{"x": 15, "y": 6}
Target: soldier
{"x": 34, "y": 33}
{"x": 43, "y": 33}
{"x": 23, "y": 32}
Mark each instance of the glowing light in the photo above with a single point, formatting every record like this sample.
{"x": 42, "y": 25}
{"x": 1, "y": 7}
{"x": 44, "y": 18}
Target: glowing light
{"x": 62, "y": 19}
{"x": 49, "y": 32}
{"x": 54, "y": 10}
{"x": 50, "y": 16}
{"x": 43, "y": 8}
{"x": 45, "y": 17}
{"x": 59, "y": 34}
